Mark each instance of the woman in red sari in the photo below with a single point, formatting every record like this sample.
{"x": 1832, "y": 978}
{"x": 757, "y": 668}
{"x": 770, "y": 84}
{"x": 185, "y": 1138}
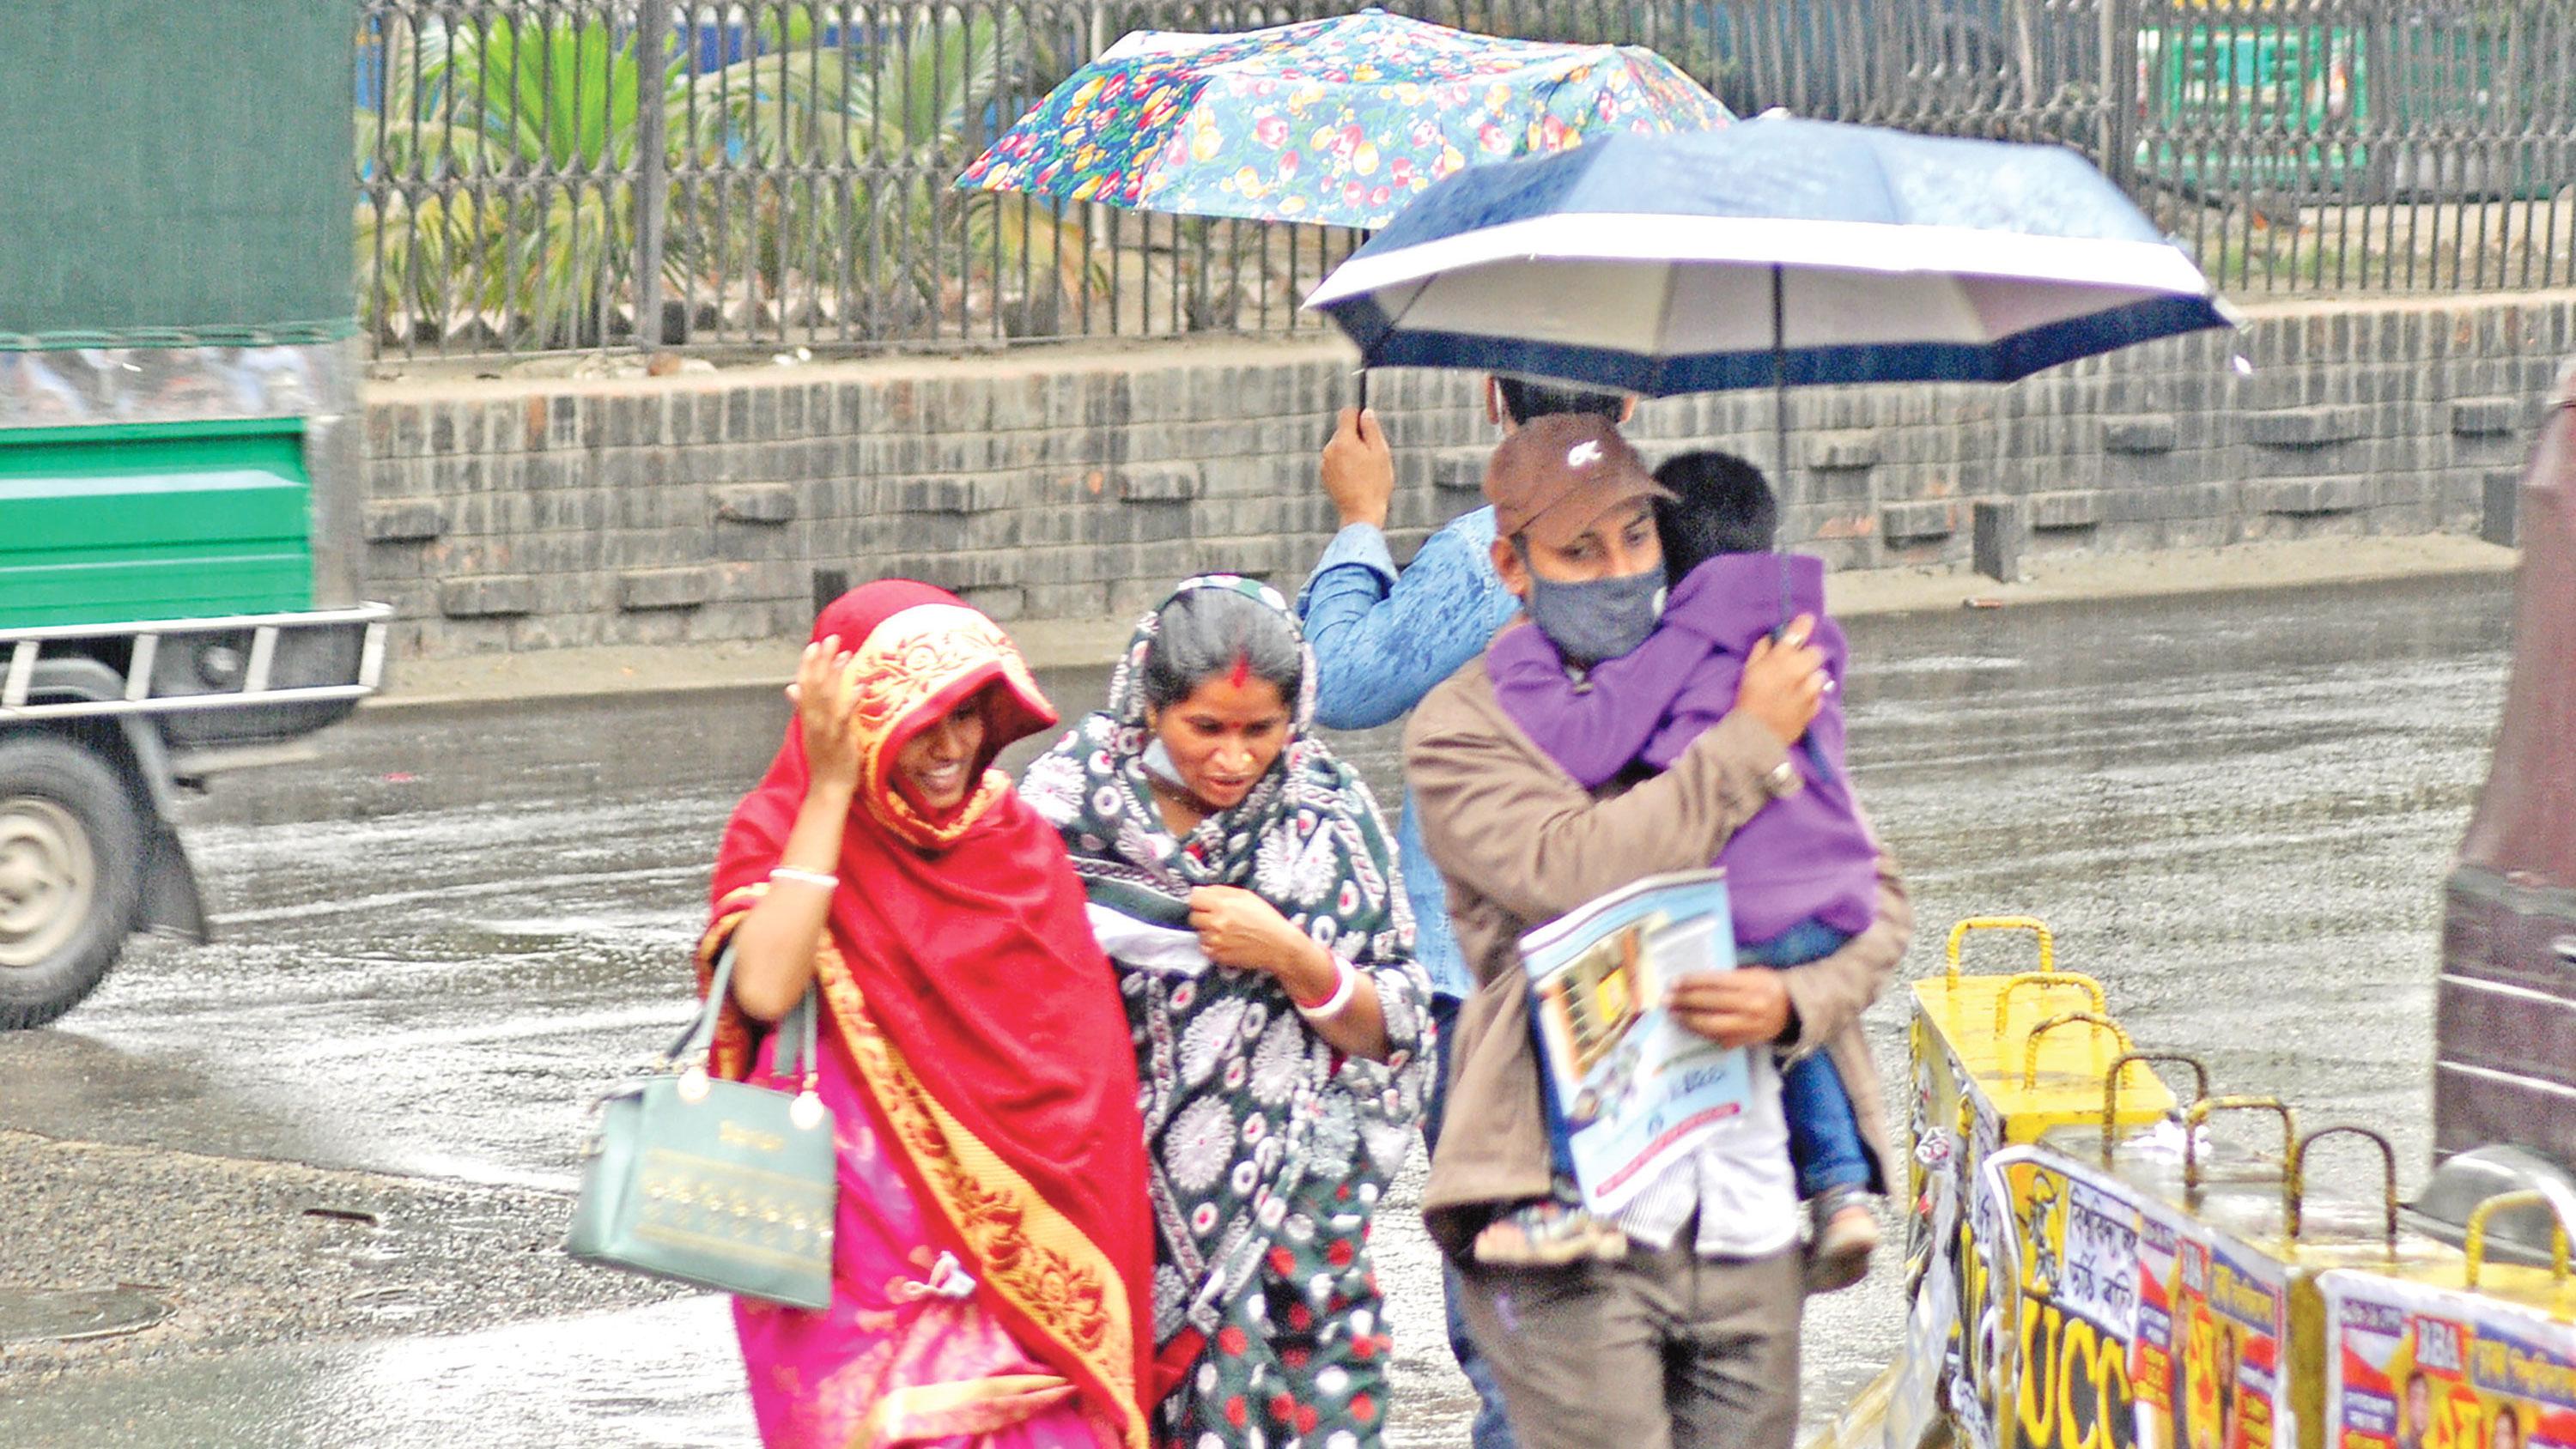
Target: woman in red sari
{"x": 992, "y": 1248}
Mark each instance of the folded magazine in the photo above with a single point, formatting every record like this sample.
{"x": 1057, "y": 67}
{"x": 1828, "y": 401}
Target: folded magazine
{"x": 1630, "y": 1090}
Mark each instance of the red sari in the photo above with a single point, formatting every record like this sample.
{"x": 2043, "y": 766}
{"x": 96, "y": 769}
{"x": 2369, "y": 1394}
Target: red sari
{"x": 977, "y": 1056}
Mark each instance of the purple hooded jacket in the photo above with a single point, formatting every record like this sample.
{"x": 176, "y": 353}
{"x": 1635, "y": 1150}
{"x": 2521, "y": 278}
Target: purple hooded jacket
{"x": 1805, "y": 856}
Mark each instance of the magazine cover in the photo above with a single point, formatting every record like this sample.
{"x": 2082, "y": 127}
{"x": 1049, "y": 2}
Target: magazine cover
{"x": 1629, "y": 1089}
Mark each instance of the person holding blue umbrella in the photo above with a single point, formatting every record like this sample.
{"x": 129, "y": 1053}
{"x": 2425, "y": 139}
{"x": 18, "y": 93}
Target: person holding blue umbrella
{"x": 1383, "y": 640}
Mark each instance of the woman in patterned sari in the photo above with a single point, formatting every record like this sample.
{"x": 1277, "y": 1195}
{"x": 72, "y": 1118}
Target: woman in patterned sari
{"x": 992, "y": 1244}
{"x": 1241, "y": 881}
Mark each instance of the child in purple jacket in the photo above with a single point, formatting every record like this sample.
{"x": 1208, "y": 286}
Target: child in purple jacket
{"x": 1802, "y": 874}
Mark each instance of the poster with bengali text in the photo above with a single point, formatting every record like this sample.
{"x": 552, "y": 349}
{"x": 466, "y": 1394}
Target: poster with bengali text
{"x": 2415, "y": 1367}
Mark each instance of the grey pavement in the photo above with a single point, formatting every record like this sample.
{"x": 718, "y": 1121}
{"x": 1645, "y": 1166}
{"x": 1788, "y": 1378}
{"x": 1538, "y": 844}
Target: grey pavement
{"x": 340, "y": 1140}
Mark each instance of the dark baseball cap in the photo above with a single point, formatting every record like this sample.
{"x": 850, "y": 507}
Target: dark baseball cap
{"x": 1557, "y": 475}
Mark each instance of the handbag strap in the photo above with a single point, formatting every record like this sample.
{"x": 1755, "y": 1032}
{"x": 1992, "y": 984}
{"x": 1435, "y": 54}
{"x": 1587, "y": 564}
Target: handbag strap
{"x": 799, "y": 1028}
{"x": 797, "y": 1055}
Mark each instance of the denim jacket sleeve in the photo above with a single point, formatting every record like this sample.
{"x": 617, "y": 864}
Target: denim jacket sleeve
{"x": 1383, "y": 641}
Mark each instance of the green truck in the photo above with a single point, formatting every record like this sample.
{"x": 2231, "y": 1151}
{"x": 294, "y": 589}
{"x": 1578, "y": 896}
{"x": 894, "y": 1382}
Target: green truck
{"x": 179, "y": 451}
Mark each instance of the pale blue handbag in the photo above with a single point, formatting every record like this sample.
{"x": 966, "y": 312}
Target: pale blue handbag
{"x": 721, "y": 1184}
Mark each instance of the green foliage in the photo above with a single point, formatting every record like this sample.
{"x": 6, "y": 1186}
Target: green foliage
{"x": 506, "y": 161}
{"x": 504, "y": 142}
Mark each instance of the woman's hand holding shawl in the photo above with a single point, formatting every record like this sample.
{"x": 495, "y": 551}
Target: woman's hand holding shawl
{"x": 1237, "y": 928}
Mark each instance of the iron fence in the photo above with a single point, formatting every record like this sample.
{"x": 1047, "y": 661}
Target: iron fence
{"x": 551, "y": 174}
{"x": 2335, "y": 144}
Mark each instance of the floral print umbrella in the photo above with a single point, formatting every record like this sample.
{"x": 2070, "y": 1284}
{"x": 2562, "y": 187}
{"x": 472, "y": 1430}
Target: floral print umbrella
{"x": 1338, "y": 121}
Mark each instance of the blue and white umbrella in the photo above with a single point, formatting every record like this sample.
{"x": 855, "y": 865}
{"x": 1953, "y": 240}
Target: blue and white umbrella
{"x": 1773, "y": 251}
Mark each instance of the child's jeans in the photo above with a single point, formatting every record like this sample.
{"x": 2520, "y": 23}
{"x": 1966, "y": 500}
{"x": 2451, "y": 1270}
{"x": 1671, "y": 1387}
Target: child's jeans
{"x": 1824, "y": 1136}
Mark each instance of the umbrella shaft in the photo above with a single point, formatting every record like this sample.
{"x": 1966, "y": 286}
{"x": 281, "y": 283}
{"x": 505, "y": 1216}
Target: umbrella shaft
{"x": 1780, "y": 411}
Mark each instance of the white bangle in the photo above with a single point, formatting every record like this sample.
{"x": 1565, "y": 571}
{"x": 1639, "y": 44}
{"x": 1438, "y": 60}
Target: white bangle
{"x": 1346, "y": 984}
{"x": 805, "y": 877}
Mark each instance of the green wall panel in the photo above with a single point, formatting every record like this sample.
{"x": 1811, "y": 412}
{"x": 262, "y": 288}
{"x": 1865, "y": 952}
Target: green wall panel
{"x": 105, "y": 524}
{"x": 175, "y": 164}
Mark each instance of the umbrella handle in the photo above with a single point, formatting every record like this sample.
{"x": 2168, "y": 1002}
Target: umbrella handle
{"x": 1363, "y": 388}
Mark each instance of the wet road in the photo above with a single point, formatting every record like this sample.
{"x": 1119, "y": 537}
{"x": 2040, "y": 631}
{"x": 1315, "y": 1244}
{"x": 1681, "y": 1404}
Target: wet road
{"x": 440, "y": 939}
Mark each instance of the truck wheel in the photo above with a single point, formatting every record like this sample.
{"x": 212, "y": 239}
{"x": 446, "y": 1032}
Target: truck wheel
{"x": 71, "y": 857}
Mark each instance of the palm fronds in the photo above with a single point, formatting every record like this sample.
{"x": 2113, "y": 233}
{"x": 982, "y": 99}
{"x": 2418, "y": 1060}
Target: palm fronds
{"x": 501, "y": 170}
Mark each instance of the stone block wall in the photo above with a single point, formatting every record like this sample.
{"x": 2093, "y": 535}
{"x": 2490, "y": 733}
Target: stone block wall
{"x": 1070, "y": 483}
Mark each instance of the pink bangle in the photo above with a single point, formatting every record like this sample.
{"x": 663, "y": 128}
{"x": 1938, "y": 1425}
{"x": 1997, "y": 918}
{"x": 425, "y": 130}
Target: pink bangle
{"x": 1346, "y": 984}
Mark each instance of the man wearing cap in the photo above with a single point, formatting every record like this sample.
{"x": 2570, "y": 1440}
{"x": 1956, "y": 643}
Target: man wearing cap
{"x": 1382, "y": 640}
{"x": 1706, "y": 1303}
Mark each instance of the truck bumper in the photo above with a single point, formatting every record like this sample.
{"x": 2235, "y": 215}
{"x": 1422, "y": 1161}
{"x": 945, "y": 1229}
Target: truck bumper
{"x": 209, "y": 683}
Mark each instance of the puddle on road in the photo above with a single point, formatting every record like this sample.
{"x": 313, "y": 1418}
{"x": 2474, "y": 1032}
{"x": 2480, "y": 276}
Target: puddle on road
{"x": 69, "y": 1316}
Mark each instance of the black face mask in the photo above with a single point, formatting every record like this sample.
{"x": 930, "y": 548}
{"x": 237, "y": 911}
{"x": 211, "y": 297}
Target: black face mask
{"x": 1599, "y": 618}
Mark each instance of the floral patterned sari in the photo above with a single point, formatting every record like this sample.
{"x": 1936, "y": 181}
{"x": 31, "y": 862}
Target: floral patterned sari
{"x": 1268, "y": 1150}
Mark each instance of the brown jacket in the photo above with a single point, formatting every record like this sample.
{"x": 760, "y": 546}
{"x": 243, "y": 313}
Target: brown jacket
{"x": 1520, "y": 843}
